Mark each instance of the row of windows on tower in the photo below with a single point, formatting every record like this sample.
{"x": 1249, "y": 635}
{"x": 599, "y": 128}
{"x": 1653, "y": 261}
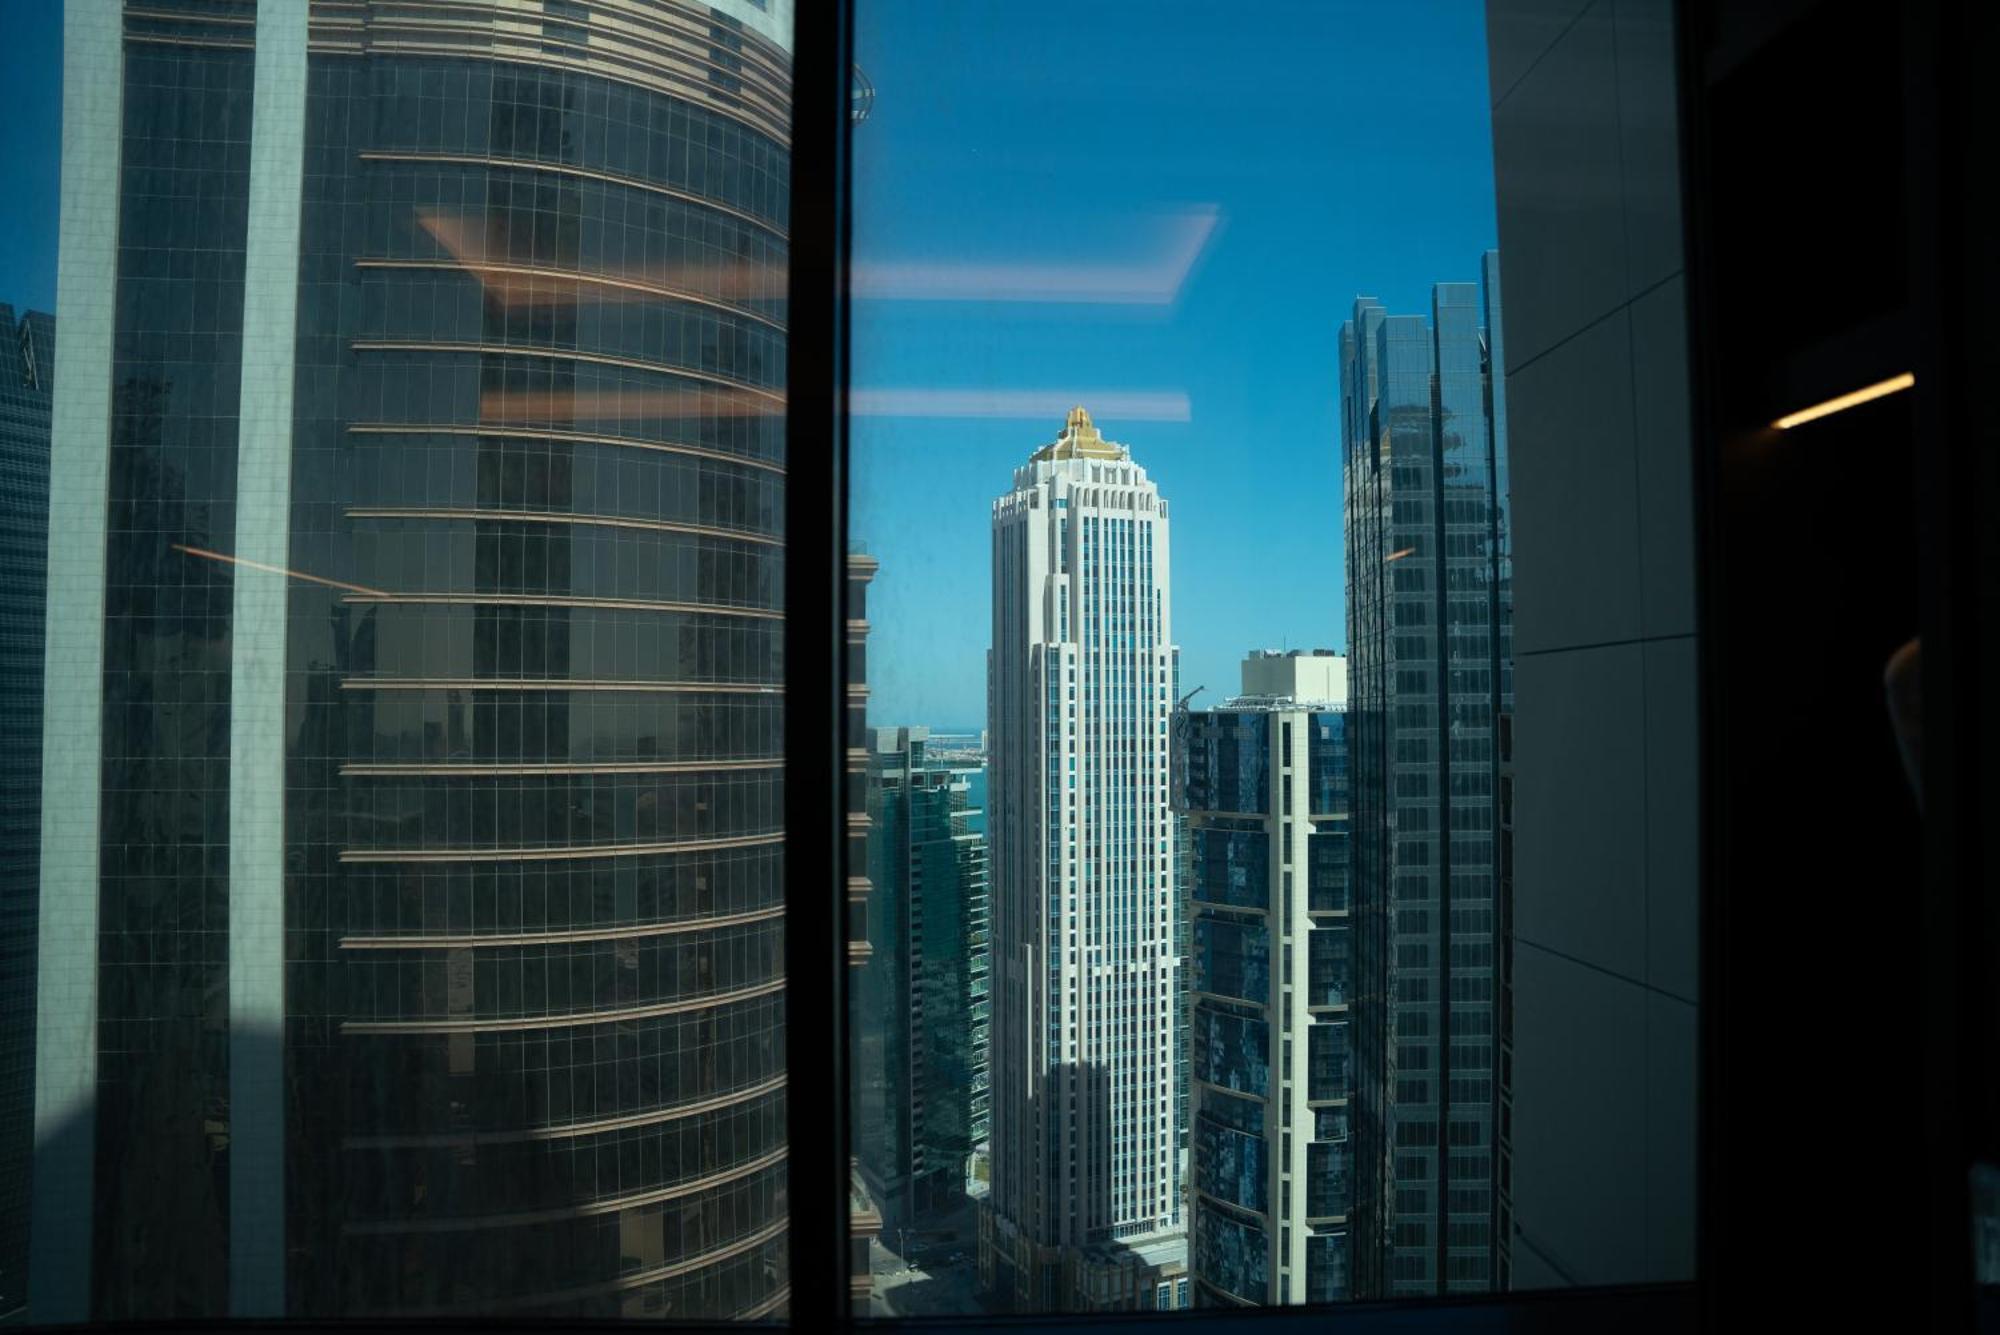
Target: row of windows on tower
{"x": 398, "y": 389}
{"x": 548, "y": 115}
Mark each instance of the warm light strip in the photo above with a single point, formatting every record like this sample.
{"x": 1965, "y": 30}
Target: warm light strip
{"x": 565, "y": 1130}
{"x": 673, "y": 927}
{"x": 1397, "y": 556}
{"x": 1863, "y": 395}
{"x": 277, "y": 570}
{"x": 579, "y": 1210}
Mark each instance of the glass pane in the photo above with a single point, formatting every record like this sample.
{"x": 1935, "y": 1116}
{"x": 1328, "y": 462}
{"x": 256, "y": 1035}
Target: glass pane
{"x": 1203, "y": 969}
{"x": 408, "y": 906}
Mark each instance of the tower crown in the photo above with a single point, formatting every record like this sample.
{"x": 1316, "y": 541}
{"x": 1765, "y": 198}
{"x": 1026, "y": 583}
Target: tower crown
{"x": 1080, "y": 439}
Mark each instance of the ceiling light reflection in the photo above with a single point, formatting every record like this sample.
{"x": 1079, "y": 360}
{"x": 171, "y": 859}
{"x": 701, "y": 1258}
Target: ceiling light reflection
{"x": 1154, "y": 281}
{"x": 1867, "y": 393}
{"x": 1022, "y": 404}
{"x": 227, "y": 559}
{"x": 569, "y": 405}
{"x": 517, "y": 281}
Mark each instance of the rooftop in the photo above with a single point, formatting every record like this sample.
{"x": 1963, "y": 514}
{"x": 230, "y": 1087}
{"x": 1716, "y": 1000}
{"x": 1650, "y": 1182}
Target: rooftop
{"x": 1236, "y": 704}
{"x": 1080, "y": 439}
{"x": 1167, "y": 1247}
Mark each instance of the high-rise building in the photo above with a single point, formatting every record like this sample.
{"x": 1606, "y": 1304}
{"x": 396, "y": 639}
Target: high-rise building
{"x": 864, "y": 1214}
{"x": 924, "y": 1009}
{"x": 1082, "y": 681}
{"x": 1264, "y": 783}
{"x": 1430, "y": 611}
{"x": 411, "y": 928}
{"x": 27, "y": 370}
{"x": 1183, "y": 1003}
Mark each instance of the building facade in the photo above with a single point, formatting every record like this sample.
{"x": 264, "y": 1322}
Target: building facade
{"x": 864, "y": 1214}
{"x": 27, "y": 371}
{"x": 924, "y": 1010}
{"x": 411, "y": 935}
{"x": 1082, "y": 680}
{"x": 1264, "y": 783}
{"x": 1430, "y": 614}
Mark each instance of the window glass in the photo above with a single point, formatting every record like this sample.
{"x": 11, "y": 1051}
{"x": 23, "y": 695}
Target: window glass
{"x": 1243, "y": 903}
{"x": 1213, "y": 386}
{"x": 401, "y": 932}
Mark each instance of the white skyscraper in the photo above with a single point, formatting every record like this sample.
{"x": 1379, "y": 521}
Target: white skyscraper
{"x": 1085, "y": 1207}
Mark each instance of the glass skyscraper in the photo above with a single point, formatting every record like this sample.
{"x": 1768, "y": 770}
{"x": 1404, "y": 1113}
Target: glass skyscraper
{"x": 411, "y": 933}
{"x": 1430, "y": 611}
{"x": 924, "y": 1009}
{"x": 27, "y": 371}
{"x": 1265, "y": 787}
{"x": 1085, "y": 1207}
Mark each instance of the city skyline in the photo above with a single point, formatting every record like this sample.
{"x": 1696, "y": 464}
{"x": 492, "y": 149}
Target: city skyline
{"x": 1418, "y": 128}
{"x": 412, "y": 875}
{"x": 1184, "y": 287}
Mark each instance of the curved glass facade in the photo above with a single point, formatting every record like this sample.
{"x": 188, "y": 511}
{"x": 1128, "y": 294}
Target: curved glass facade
{"x": 1232, "y": 1051}
{"x": 1233, "y": 959}
{"x": 166, "y": 704}
{"x": 1230, "y": 1254}
{"x": 1232, "y": 866}
{"x": 1231, "y": 1165}
{"x": 436, "y": 914}
{"x": 535, "y": 795}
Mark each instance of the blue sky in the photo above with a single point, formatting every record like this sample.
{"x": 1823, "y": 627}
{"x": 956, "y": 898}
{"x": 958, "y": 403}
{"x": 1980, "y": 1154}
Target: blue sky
{"x": 1339, "y": 148}
{"x": 30, "y": 151}
{"x": 1304, "y": 150}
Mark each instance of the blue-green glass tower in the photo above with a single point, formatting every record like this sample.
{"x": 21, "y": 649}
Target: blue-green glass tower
{"x": 27, "y": 369}
{"x": 924, "y": 1008}
{"x": 1430, "y": 610}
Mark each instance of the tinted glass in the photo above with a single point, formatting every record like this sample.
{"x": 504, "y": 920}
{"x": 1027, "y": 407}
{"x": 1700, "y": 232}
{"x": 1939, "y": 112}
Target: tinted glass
{"x": 405, "y": 934}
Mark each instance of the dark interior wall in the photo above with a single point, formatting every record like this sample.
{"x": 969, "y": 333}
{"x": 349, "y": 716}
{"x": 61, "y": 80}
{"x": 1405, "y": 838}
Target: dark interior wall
{"x": 1845, "y": 936}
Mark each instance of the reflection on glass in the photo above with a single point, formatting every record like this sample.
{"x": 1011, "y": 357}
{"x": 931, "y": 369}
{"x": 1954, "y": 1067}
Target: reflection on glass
{"x": 1424, "y": 468}
{"x": 391, "y": 635}
{"x": 426, "y": 956}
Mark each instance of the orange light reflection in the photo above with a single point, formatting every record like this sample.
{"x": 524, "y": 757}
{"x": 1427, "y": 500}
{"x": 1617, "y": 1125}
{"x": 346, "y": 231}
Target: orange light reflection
{"x": 719, "y": 280}
{"x": 274, "y": 570}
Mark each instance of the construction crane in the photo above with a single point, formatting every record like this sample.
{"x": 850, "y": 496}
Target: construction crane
{"x": 1177, "y": 755}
